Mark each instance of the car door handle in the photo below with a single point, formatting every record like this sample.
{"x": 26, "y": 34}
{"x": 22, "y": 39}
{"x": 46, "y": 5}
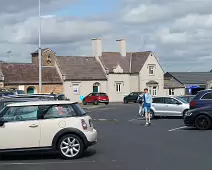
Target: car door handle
{"x": 33, "y": 126}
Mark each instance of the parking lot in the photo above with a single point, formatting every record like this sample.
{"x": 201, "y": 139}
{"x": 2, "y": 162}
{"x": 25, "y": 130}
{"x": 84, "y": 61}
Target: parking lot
{"x": 125, "y": 143}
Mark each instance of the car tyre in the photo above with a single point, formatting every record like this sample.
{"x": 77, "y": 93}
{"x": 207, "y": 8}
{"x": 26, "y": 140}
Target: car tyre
{"x": 125, "y": 101}
{"x": 184, "y": 112}
{"x": 106, "y": 103}
{"x": 152, "y": 114}
{"x": 84, "y": 102}
{"x": 70, "y": 146}
{"x": 95, "y": 102}
{"x": 202, "y": 122}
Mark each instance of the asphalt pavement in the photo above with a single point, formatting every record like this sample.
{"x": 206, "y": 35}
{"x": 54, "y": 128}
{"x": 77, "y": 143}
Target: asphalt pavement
{"x": 125, "y": 143}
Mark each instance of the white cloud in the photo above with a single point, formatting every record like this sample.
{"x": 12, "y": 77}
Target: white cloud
{"x": 177, "y": 31}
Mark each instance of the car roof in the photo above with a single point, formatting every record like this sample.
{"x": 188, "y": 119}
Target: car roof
{"x": 36, "y": 103}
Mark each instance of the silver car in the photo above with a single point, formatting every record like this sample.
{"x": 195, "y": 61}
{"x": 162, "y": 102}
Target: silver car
{"x": 169, "y": 106}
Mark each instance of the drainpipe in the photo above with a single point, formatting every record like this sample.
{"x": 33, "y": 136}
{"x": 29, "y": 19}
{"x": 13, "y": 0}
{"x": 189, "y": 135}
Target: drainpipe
{"x": 130, "y": 70}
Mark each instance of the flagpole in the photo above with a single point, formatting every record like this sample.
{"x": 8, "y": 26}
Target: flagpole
{"x": 39, "y": 50}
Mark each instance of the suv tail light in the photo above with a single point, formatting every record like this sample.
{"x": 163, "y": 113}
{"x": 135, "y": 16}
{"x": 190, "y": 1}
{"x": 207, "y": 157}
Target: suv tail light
{"x": 84, "y": 124}
{"x": 192, "y": 104}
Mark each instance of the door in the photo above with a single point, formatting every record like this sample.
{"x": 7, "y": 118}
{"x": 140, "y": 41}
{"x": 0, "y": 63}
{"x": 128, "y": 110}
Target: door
{"x": 89, "y": 98}
{"x": 21, "y": 130}
{"x": 30, "y": 90}
{"x": 159, "y": 106}
{"x": 53, "y": 119}
{"x": 95, "y": 89}
{"x": 174, "y": 107}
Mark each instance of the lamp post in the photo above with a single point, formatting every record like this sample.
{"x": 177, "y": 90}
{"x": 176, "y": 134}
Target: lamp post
{"x": 39, "y": 50}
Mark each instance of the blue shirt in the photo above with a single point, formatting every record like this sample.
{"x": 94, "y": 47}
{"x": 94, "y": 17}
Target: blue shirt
{"x": 147, "y": 100}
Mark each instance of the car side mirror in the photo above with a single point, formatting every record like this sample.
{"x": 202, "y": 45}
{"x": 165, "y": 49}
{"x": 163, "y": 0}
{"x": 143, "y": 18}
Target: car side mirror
{"x": 178, "y": 103}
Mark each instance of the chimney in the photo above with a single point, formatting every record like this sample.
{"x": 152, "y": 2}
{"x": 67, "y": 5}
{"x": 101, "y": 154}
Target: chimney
{"x": 96, "y": 47}
{"x": 122, "y": 47}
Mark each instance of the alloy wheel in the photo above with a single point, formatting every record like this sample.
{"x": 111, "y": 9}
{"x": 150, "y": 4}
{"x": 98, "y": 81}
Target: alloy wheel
{"x": 70, "y": 147}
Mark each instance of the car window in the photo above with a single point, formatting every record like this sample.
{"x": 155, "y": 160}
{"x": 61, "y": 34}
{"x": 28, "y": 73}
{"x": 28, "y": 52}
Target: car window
{"x": 183, "y": 100}
{"x": 158, "y": 100}
{"x": 207, "y": 96}
{"x": 20, "y": 114}
{"x": 102, "y": 94}
{"x": 90, "y": 94}
{"x": 61, "y": 97}
{"x": 170, "y": 101}
{"x": 59, "y": 111}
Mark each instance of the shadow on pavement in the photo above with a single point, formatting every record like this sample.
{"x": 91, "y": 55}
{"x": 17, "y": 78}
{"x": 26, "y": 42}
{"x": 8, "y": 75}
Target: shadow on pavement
{"x": 39, "y": 156}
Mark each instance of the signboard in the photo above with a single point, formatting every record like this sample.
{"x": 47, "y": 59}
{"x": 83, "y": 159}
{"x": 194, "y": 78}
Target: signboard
{"x": 192, "y": 87}
{"x": 76, "y": 89}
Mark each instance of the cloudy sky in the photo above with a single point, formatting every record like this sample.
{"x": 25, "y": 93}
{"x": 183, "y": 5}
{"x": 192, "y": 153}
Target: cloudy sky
{"x": 179, "y": 32}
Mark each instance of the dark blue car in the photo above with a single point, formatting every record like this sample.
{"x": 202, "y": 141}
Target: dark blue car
{"x": 202, "y": 99}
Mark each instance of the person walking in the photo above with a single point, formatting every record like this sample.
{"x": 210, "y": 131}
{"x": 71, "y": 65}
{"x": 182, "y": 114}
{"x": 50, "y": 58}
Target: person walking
{"x": 147, "y": 99}
{"x": 140, "y": 102}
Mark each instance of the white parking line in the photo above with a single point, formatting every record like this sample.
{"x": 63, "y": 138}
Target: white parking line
{"x": 177, "y": 128}
{"x": 44, "y": 163}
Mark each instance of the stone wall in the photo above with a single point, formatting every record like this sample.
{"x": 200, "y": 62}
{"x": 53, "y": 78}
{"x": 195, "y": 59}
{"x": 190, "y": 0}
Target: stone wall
{"x": 47, "y": 88}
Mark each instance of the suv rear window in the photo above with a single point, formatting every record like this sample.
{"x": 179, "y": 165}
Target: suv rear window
{"x": 207, "y": 96}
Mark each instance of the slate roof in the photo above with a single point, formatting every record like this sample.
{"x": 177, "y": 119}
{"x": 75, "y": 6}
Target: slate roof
{"x": 172, "y": 83}
{"x": 112, "y": 59}
{"x": 191, "y": 77}
{"x": 42, "y": 50}
{"x": 29, "y": 74}
{"x": 80, "y": 68}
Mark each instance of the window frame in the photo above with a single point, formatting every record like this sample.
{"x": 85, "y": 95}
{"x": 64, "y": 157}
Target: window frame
{"x": 172, "y": 92}
{"x": 6, "y": 109}
{"x": 118, "y": 87}
{"x": 154, "y": 90}
{"x": 151, "y": 68}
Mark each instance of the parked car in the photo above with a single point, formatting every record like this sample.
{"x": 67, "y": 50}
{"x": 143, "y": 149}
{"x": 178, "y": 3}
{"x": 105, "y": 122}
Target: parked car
{"x": 41, "y": 96}
{"x": 202, "y": 99}
{"x": 96, "y": 98}
{"x": 168, "y": 106}
{"x": 132, "y": 97}
{"x": 60, "y": 126}
{"x": 8, "y": 100}
{"x": 200, "y": 118}
{"x": 187, "y": 98}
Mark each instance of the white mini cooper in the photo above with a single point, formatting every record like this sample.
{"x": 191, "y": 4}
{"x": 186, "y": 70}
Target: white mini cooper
{"x": 61, "y": 126}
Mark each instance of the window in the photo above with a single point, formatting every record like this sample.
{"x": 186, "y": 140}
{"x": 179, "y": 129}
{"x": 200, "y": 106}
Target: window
{"x": 158, "y": 100}
{"x": 171, "y": 92}
{"x": 58, "y": 111}
{"x": 20, "y": 113}
{"x": 171, "y": 101}
{"x": 118, "y": 87}
{"x": 207, "y": 96}
{"x": 154, "y": 90}
{"x": 151, "y": 70}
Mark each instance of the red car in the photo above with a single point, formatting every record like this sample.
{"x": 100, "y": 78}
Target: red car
{"x": 96, "y": 98}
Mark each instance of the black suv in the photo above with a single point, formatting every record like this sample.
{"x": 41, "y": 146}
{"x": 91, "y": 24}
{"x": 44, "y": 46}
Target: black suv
{"x": 132, "y": 97}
